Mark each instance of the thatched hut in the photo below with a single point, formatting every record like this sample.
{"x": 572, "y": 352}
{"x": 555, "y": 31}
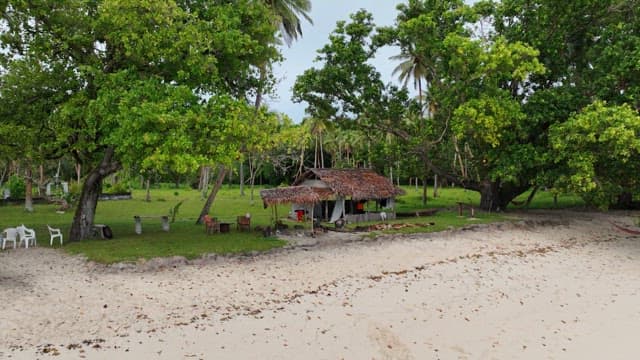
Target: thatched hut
{"x": 331, "y": 194}
{"x": 294, "y": 194}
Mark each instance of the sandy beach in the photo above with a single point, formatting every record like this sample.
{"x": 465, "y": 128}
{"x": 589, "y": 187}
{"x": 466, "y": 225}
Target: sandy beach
{"x": 555, "y": 285}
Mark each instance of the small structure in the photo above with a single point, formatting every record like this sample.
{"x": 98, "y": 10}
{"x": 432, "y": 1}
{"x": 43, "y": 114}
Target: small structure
{"x": 304, "y": 195}
{"x": 332, "y": 194}
{"x": 138, "y": 222}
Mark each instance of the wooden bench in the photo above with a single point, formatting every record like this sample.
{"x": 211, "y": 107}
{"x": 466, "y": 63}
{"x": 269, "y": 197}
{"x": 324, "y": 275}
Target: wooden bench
{"x": 462, "y": 206}
{"x": 138, "y": 222}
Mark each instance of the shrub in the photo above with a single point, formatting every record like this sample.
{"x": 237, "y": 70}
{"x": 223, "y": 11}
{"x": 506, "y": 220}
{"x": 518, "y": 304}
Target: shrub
{"x": 118, "y": 188}
{"x": 17, "y": 186}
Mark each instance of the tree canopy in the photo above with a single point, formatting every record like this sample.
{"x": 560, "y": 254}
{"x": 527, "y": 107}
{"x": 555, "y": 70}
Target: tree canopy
{"x": 498, "y": 77}
{"x": 156, "y": 84}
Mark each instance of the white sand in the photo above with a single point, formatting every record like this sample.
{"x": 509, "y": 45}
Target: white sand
{"x": 559, "y": 286}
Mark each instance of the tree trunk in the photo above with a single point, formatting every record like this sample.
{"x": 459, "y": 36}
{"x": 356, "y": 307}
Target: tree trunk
{"x": 42, "y": 188}
{"x": 495, "y": 196}
{"x": 435, "y": 185}
{"x": 489, "y": 197}
{"x": 28, "y": 189}
{"x": 424, "y": 190}
{"x": 315, "y": 153}
{"x": 147, "y": 197}
{"x": 624, "y": 201}
{"x": 253, "y": 185}
{"x": 301, "y": 167}
{"x": 242, "y": 178}
{"x": 78, "y": 172}
{"x": 86, "y": 210}
{"x": 212, "y": 196}
{"x": 321, "y": 151}
{"x": 531, "y": 196}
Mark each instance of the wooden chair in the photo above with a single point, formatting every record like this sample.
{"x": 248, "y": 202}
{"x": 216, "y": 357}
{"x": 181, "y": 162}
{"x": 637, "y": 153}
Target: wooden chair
{"x": 211, "y": 225}
{"x": 244, "y": 222}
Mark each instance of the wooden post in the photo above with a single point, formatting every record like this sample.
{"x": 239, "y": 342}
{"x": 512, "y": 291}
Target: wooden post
{"x": 312, "y": 207}
{"x": 276, "y": 219}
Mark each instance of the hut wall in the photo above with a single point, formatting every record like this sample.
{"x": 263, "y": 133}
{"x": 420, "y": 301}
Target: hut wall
{"x": 370, "y": 216}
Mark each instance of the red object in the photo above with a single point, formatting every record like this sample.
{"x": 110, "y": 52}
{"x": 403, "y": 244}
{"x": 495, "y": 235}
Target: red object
{"x": 300, "y": 215}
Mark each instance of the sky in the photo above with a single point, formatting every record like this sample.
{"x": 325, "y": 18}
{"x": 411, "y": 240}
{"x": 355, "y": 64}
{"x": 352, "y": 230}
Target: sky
{"x": 300, "y": 56}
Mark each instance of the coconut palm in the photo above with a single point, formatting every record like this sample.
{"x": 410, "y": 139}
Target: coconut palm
{"x": 317, "y": 127}
{"x": 289, "y": 13}
{"x": 411, "y": 67}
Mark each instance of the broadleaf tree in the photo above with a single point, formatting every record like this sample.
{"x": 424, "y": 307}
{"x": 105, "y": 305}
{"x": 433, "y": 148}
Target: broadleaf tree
{"x": 142, "y": 78}
{"x": 475, "y": 95}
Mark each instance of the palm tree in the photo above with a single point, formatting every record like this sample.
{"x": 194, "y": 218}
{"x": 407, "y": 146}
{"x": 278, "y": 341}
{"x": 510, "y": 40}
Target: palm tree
{"x": 411, "y": 66}
{"x": 317, "y": 127}
{"x": 289, "y": 13}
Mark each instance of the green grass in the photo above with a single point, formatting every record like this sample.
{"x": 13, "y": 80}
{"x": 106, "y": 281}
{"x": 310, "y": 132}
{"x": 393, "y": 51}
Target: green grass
{"x": 442, "y": 220}
{"x": 189, "y": 240}
{"x": 448, "y": 197}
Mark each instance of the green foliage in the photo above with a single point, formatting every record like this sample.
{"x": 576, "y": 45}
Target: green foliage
{"x": 16, "y": 186}
{"x": 475, "y": 118}
{"x": 117, "y": 188}
{"x": 600, "y": 147}
{"x": 159, "y": 86}
{"x": 173, "y": 212}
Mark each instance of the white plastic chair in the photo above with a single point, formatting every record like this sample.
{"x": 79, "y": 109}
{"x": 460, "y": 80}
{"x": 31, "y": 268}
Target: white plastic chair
{"x": 9, "y": 234}
{"x": 54, "y": 233}
{"x": 28, "y": 236}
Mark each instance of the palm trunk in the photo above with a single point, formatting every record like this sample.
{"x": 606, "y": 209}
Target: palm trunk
{"x": 212, "y": 196}
{"x": 321, "y": 152}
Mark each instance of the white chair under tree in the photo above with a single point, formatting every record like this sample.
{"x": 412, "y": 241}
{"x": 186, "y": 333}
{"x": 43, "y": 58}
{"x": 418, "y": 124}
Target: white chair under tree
{"x": 9, "y": 235}
{"x": 54, "y": 233}
{"x": 28, "y": 236}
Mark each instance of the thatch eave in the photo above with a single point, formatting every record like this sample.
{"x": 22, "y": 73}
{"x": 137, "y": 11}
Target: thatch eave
{"x": 294, "y": 194}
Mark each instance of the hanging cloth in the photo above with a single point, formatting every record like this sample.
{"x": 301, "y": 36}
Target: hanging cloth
{"x": 338, "y": 210}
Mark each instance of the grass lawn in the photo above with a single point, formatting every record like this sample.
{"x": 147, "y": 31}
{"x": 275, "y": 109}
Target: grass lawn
{"x": 189, "y": 240}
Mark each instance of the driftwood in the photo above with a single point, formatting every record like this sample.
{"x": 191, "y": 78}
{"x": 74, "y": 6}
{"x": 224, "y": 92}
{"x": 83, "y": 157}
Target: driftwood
{"x": 624, "y": 229}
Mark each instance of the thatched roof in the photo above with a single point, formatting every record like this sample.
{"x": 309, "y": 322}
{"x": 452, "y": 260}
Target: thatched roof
{"x": 294, "y": 194}
{"x": 359, "y": 184}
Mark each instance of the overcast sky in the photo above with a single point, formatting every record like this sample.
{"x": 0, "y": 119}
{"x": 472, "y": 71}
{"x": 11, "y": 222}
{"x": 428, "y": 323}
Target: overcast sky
{"x": 300, "y": 55}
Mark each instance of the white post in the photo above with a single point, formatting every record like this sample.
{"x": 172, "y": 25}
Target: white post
{"x": 165, "y": 223}
{"x": 312, "y": 219}
{"x": 138, "y": 224}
